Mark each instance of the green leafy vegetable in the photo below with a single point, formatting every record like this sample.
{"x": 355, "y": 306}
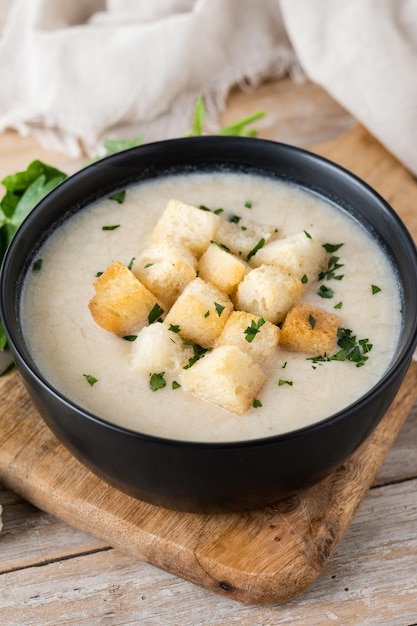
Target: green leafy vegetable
{"x": 332, "y": 265}
{"x": 175, "y": 384}
{"x": 119, "y": 196}
{"x": 256, "y": 403}
{"x": 254, "y": 328}
{"x": 332, "y": 247}
{"x": 351, "y": 349}
{"x": 325, "y": 292}
{"x": 157, "y": 381}
{"x": 311, "y": 321}
{"x": 199, "y": 352}
{"x": 112, "y": 227}
{"x": 130, "y": 337}
{"x": 254, "y": 250}
{"x": 282, "y": 382}
{"x": 375, "y": 289}
{"x": 90, "y": 379}
{"x": 155, "y": 314}
{"x": 238, "y": 128}
{"x": 36, "y": 266}
{"x": 219, "y": 308}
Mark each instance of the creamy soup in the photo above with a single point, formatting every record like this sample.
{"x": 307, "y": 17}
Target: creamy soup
{"x": 67, "y": 344}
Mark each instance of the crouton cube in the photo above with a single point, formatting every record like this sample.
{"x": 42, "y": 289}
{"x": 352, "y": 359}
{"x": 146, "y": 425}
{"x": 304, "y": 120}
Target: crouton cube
{"x": 121, "y": 303}
{"x": 186, "y": 226}
{"x": 165, "y": 270}
{"x": 157, "y": 349}
{"x": 241, "y": 239}
{"x": 200, "y": 312}
{"x": 221, "y": 268}
{"x": 227, "y": 377}
{"x": 302, "y": 255}
{"x": 251, "y": 334}
{"x": 268, "y": 291}
{"x": 309, "y": 329}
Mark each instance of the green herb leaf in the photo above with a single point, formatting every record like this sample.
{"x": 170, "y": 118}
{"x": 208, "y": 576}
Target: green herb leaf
{"x": 375, "y": 289}
{"x": 175, "y": 384}
{"x": 254, "y": 250}
{"x": 248, "y": 204}
{"x": 240, "y": 128}
{"x": 175, "y": 328}
{"x": 311, "y": 321}
{"x": 130, "y": 337}
{"x": 157, "y": 381}
{"x": 332, "y": 247}
{"x": 235, "y": 219}
{"x": 155, "y": 313}
{"x": 90, "y": 379}
{"x": 36, "y": 266}
{"x": 113, "y": 227}
{"x": 282, "y": 382}
{"x": 254, "y": 328}
{"x": 338, "y": 305}
{"x": 307, "y": 234}
{"x": 304, "y": 279}
{"x": 199, "y": 352}
{"x": 256, "y": 403}
{"x": 325, "y": 292}
{"x": 219, "y": 308}
{"x": 332, "y": 265}
{"x": 203, "y": 207}
{"x": 350, "y": 349}
{"x": 119, "y": 196}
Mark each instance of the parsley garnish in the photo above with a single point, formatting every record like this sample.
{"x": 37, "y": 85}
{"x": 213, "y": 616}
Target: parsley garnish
{"x": 99, "y": 274}
{"x": 175, "y": 384}
{"x": 332, "y": 247}
{"x": 351, "y": 349}
{"x": 375, "y": 289}
{"x": 207, "y": 313}
{"x": 147, "y": 265}
{"x": 248, "y": 204}
{"x": 199, "y": 352}
{"x": 311, "y": 321}
{"x": 219, "y": 308}
{"x": 254, "y": 250}
{"x": 282, "y": 382}
{"x": 256, "y": 403}
{"x": 220, "y": 245}
{"x": 175, "y": 328}
{"x": 332, "y": 266}
{"x": 113, "y": 227}
{"x": 253, "y": 329}
{"x": 119, "y": 196}
{"x": 90, "y": 379}
{"x": 304, "y": 279}
{"x": 132, "y": 260}
{"x": 235, "y": 219}
{"x": 155, "y": 314}
{"x": 157, "y": 381}
{"x": 130, "y": 337}
{"x": 338, "y": 305}
{"x": 218, "y": 211}
{"x": 325, "y": 292}
{"x": 202, "y": 207}
{"x": 37, "y": 265}
{"x": 307, "y": 234}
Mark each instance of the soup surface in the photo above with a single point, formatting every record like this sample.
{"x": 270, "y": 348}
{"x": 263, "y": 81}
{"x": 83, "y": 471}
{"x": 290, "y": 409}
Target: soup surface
{"x": 67, "y": 344}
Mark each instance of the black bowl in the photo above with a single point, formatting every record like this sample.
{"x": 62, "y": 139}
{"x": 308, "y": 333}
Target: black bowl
{"x": 211, "y": 477}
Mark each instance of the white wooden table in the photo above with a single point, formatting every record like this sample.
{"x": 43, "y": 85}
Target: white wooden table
{"x": 51, "y": 574}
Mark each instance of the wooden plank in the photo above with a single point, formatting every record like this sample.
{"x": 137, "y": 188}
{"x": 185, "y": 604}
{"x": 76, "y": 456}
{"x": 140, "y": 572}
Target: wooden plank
{"x": 371, "y": 580}
{"x": 260, "y": 557}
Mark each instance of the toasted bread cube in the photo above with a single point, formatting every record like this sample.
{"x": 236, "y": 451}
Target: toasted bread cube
{"x": 221, "y": 268}
{"x": 309, "y": 329}
{"x": 165, "y": 270}
{"x": 259, "y": 340}
{"x": 200, "y": 312}
{"x": 227, "y": 377}
{"x": 242, "y": 238}
{"x": 300, "y": 254}
{"x": 186, "y": 226}
{"x": 268, "y": 291}
{"x": 158, "y": 349}
{"x": 121, "y": 303}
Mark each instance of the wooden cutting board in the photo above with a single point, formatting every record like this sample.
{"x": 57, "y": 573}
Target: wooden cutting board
{"x": 261, "y": 557}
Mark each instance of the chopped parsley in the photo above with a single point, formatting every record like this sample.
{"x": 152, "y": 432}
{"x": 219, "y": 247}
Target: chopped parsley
{"x": 332, "y": 247}
{"x": 175, "y": 384}
{"x": 112, "y": 227}
{"x": 304, "y": 279}
{"x": 175, "y": 328}
{"x": 99, "y": 274}
{"x": 132, "y": 260}
{"x": 218, "y": 211}
{"x": 254, "y": 250}
{"x": 351, "y": 349}
{"x": 119, "y": 197}
{"x": 282, "y": 382}
{"x": 256, "y": 403}
{"x": 202, "y": 207}
{"x": 207, "y": 313}
{"x": 307, "y": 234}
{"x": 220, "y": 245}
{"x": 311, "y": 321}
{"x": 90, "y": 379}
{"x": 325, "y": 292}
{"x": 330, "y": 273}
{"x": 199, "y": 352}
{"x": 254, "y": 328}
{"x": 37, "y": 265}
{"x": 375, "y": 289}
{"x": 248, "y": 204}
{"x": 130, "y": 337}
{"x": 157, "y": 381}
{"x": 148, "y": 265}
{"x": 155, "y": 314}
{"x": 338, "y": 305}
{"x": 219, "y": 308}
{"x": 235, "y": 219}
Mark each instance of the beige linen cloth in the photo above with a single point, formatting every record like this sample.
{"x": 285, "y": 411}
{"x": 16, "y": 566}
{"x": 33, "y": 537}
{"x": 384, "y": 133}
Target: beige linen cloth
{"x": 76, "y": 72}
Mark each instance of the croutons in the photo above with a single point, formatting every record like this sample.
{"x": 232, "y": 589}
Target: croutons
{"x": 221, "y": 268}
{"x": 227, "y": 377}
{"x": 309, "y": 329}
{"x": 242, "y": 239}
{"x": 121, "y": 303}
{"x": 165, "y": 270}
{"x": 186, "y": 226}
{"x": 200, "y": 312}
{"x": 268, "y": 291}
{"x": 157, "y": 348}
{"x": 251, "y": 334}
{"x": 300, "y": 254}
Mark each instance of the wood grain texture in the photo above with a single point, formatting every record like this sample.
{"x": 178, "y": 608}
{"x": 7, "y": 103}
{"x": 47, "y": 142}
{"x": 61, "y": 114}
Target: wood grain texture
{"x": 263, "y": 557}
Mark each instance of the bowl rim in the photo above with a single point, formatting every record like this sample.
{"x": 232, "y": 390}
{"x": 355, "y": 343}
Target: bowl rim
{"x": 397, "y": 363}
